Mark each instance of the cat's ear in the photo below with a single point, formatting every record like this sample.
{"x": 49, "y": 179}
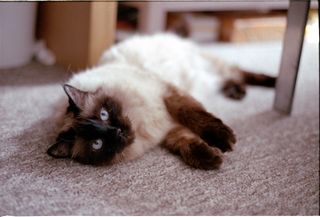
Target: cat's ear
{"x": 76, "y": 97}
{"x": 60, "y": 150}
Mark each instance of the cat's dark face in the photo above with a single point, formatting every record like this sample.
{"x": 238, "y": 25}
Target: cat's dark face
{"x": 97, "y": 132}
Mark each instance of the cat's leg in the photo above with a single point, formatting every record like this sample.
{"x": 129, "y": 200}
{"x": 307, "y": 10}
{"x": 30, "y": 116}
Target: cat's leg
{"x": 257, "y": 79}
{"x": 190, "y": 113}
{"x": 193, "y": 150}
{"x": 235, "y": 88}
{"x": 236, "y": 79}
{"x": 239, "y": 75}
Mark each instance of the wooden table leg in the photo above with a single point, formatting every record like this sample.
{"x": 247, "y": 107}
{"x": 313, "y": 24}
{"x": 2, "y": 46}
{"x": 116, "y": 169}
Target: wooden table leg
{"x": 292, "y": 46}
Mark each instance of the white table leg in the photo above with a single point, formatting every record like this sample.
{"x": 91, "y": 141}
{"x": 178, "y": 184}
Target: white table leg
{"x": 292, "y": 46}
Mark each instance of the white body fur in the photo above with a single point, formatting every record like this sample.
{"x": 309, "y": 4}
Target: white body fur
{"x": 137, "y": 73}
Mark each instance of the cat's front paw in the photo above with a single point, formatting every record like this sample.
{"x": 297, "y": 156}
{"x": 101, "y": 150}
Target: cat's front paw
{"x": 200, "y": 155}
{"x": 219, "y": 135}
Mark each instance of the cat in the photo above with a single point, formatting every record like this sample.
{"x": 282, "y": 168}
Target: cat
{"x": 143, "y": 93}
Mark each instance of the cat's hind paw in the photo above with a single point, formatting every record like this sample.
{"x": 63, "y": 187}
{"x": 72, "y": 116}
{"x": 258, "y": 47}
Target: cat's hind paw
{"x": 234, "y": 90}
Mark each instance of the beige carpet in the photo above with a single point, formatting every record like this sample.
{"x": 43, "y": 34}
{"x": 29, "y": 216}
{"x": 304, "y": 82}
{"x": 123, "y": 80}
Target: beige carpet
{"x": 274, "y": 169}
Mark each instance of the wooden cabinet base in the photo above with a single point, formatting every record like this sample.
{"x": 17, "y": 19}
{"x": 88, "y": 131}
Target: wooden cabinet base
{"x": 77, "y": 32}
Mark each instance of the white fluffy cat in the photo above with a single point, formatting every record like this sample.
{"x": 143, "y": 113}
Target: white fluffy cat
{"x": 143, "y": 93}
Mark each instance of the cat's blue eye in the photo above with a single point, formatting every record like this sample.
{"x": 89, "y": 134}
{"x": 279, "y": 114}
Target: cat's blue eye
{"x": 104, "y": 115}
{"x": 97, "y": 144}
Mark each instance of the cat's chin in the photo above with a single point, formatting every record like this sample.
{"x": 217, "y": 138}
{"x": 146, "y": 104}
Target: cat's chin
{"x": 93, "y": 161}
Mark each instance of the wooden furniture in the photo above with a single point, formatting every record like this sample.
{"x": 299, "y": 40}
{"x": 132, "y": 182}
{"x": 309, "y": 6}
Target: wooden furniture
{"x": 152, "y": 15}
{"x": 292, "y": 46}
{"x": 77, "y": 32}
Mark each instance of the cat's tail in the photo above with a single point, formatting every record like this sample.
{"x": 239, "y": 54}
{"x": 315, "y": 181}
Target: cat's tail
{"x": 238, "y": 75}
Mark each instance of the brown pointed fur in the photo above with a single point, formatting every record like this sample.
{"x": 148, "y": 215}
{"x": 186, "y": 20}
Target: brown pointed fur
{"x": 193, "y": 150}
{"x": 191, "y": 114}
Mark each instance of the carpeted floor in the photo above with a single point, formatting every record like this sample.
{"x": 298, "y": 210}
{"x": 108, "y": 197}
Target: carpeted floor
{"x": 274, "y": 169}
